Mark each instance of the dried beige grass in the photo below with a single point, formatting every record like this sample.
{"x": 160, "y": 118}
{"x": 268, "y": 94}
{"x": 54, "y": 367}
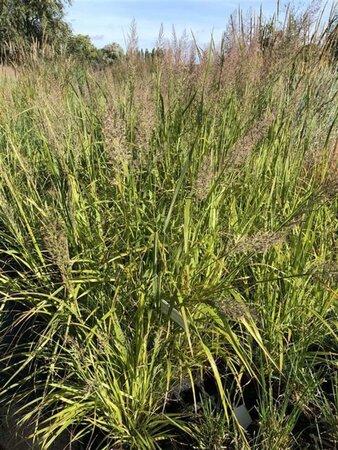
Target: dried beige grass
{"x": 146, "y": 119}
{"x": 243, "y": 148}
{"x": 204, "y": 179}
{"x": 260, "y": 242}
{"x": 8, "y": 71}
{"x": 115, "y": 140}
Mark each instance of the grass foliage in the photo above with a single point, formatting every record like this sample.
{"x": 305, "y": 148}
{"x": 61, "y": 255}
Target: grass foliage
{"x": 207, "y": 183}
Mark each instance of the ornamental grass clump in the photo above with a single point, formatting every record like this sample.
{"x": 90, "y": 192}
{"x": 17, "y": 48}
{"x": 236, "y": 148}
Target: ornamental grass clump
{"x": 168, "y": 240}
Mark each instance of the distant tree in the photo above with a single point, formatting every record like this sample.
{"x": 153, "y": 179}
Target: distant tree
{"x": 23, "y": 22}
{"x": 111, "y": 52}
{"x": 81, "y": 48}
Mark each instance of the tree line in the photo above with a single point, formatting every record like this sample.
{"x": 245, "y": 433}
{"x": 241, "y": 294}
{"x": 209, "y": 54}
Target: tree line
{"x": 40, "y": 24}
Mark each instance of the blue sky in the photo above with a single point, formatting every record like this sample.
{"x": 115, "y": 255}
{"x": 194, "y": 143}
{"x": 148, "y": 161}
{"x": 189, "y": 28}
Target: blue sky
{"x": 108, "y": 21}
